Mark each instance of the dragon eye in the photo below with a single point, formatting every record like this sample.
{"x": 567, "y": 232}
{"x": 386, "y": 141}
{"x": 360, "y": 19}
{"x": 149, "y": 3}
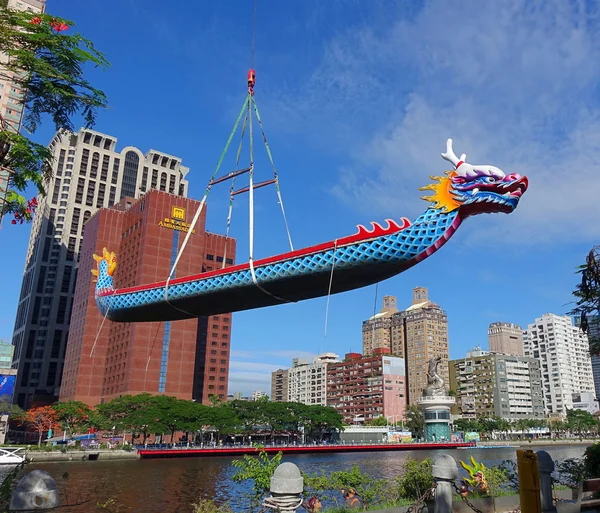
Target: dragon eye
{"x": 490, "y": 179}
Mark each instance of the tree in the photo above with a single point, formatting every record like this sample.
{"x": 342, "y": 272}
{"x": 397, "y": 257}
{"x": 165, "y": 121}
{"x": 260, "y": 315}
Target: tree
{"x": 580, "y": 421}
{"x": 72, "y": 415}
{"x": 587, "y": 293}
{"x": 415, "y": 420}
{"x": 47, "y": 66}
{"x": 259, "y": 469}
{"x": 42, "y": 420}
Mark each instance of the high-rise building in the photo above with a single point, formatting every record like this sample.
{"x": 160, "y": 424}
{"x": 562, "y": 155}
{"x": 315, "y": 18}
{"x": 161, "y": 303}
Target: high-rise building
{"x": 280, "y": 386}
{"x": 425, "y": 337}
{"x": 363, "y": 388}
{"x": 307, "y": 381}
{"x": 88, "y": 174}
{"x": 505, "y": 338}
{"x": 508, "y": 386}
{"x": 377, "y": 331}
{"x": 563, "y": 352}
{"x": 188, "y": 359}
{"x": 11, "y": 94}
{"x": 593, "y": 333}
{"x": 416, "y": 334}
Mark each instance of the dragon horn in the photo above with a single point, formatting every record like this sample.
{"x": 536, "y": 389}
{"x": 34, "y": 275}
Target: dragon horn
{"x": 96, "y": 257}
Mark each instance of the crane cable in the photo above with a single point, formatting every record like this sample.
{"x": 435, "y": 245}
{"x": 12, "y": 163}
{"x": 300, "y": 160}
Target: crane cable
{"x": 201, "y": 207}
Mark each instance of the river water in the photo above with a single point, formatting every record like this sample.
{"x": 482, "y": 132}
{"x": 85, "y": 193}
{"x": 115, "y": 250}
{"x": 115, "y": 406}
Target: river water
{"x": 171, "y": 485}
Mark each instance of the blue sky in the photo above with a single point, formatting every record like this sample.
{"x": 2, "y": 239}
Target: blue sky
{"x": 357, "y": 99}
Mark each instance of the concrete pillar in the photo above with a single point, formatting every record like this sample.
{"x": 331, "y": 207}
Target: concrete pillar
{"x": 445, "y": 473}
{"x": 287, "y": 486}
{"x": 36, "y": 490}
{"x": 546, "y": 467}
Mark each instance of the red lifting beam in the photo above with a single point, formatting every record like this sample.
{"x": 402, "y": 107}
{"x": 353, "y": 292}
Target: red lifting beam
{"x": 257, "y": 186}
{"x": 233, "y": 174}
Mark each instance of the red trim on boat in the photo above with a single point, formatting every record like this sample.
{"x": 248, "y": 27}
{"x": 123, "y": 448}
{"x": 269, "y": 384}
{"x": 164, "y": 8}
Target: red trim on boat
{"x": 362, "y": 235}
{"x": 233, "y": 451}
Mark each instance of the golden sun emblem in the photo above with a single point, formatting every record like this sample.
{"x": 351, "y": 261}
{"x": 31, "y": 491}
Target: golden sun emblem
{"x": 442, "y": 197}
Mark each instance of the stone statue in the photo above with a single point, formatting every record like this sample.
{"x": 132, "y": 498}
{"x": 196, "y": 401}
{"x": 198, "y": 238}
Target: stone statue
{"x": 435, "y": 383}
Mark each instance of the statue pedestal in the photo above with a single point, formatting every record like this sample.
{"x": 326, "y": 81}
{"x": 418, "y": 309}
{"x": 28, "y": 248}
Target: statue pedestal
{"x": 436, "y": 412}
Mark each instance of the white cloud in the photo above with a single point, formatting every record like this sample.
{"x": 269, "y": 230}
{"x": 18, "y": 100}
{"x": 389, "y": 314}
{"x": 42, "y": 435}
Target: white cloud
{"x": 514, "y": 83}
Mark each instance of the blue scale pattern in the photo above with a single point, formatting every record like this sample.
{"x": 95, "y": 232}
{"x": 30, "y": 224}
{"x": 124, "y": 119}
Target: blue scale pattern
{"x": 428, "y": 228}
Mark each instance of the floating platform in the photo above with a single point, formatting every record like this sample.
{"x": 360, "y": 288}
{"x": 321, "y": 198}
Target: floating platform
{"x": 304, "y": 449}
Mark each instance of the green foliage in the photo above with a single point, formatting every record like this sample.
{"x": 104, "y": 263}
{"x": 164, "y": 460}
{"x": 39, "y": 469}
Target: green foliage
{"x": 415, "y": 421}
{"x": 592, "y": 460}
{"x": 73, "y": 415}
{"x": 259, "y": 470}
{"x": 379, "y": 421}
{"x": 414, "y": 480}
{"x": 209, "y": 506}
{"x": 587, "y": 293}
{"x": 368, "y": 489}
{"x": 581, "y": 421}
{"x": 571, "y": 472}
{"x": 47, "y": 65}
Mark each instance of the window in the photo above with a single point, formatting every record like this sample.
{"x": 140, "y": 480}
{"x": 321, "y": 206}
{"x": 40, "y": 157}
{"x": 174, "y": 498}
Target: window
{"x": 66, "y": 281}
{"x": 62, "y": 310}
{"x": 115, "y": 173}
{"x": 210, "y": 257}
{"x": 104, "y": 172}
{"x": 56, "y": 191}
{"x": 94, "y": 167}
{"x": 130, "y": 172}
{"x": 56, "y": 344}
{"x": 89, "y": 199}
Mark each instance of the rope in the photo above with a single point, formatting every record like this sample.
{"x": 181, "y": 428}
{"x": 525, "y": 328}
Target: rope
{"x": 275, "y": 175}
{"x": 375, "y": 303}
{"x": 254, "y": 32}
{"x": 232, "y": 188}
{"x": 98, "y": 334}
{"x": 201, "y": 207}
{"x": 287, "y": 504}
{"x": 330, "y": 285}
{"x": 251, "y": 208}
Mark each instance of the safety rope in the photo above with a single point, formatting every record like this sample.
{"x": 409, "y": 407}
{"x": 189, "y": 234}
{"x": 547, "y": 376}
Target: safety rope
{"x": 251, "y": 207}
{"x": 330, "y": 285}
{"x": 275, "y": 175}
{"x": 232, "y": 188}
{"x": 202, "y": 203}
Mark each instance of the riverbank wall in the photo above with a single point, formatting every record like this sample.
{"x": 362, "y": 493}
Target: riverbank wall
{"x": 534, "y": 443}
{"x": 89, "y": 455}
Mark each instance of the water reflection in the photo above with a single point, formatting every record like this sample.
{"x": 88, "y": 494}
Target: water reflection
{"x": 171, "y": 485}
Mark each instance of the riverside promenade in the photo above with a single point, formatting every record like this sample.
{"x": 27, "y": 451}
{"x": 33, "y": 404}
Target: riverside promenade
{"x": 187, "y": 452}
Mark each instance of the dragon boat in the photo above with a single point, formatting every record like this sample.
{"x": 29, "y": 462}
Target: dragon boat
{"x": 364, "y": 258}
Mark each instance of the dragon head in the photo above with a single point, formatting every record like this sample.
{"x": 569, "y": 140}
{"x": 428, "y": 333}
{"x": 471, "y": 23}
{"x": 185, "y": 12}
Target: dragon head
{"x": 475, "y": 189}
{"x": 105, "y": 268}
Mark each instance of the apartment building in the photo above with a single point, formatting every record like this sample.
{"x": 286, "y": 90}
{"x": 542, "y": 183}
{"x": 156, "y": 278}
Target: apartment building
{"x": 508, "y": 386}
{"x": 307, "y": 380}
{"x": 363, "y": 388}
{"x": 280, "y": 386}
{"x": 505, "y": 338}
{"x": 563, "y": 352}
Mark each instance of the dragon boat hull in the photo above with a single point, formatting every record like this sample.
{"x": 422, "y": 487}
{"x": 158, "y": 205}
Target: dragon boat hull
{"x": 351, "y": 262}
{"x": 339, "y": 266}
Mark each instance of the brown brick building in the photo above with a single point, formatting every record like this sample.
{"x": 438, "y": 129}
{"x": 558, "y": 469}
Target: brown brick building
{"x": 188, "y": 359}
{"x": 363, "y": 388}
